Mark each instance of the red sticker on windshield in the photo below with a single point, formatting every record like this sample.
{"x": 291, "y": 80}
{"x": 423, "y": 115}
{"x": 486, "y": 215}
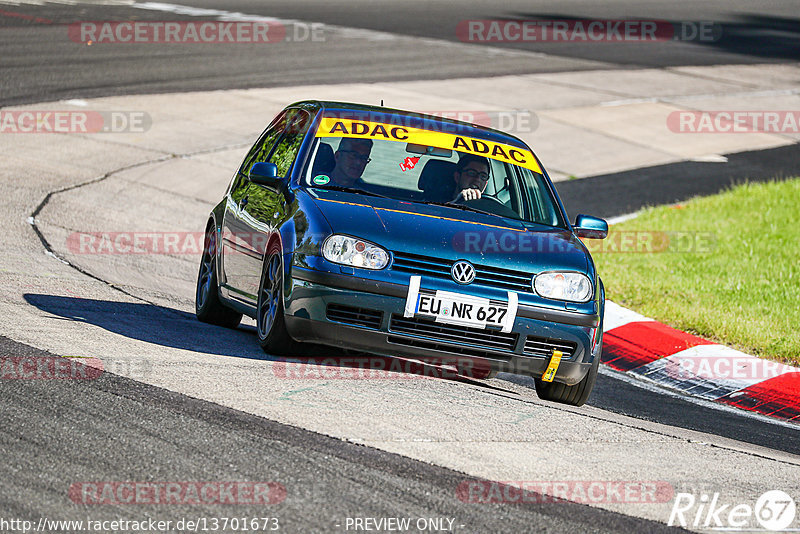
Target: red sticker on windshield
{"x": 409, "y": 163}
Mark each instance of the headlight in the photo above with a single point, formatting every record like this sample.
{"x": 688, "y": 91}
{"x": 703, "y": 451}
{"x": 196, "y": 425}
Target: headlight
{"x": 574, "y": 287}
{"x": 354, "y": 252}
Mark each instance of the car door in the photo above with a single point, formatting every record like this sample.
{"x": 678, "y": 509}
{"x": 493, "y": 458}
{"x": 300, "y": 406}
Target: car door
{"x": 237, "y": 237}
{"x": 266, "y": 206}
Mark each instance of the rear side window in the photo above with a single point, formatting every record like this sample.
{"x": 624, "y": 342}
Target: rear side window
{"x": 263, "y": 147}
{"x": 286, "y": 150}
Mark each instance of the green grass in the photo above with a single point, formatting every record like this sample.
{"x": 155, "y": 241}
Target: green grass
{"x": 730, "y": 271}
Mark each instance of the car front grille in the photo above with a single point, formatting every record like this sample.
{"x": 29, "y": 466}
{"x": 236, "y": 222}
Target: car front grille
{"x": 351, "y": 315}
{"x": 484, "y": 275}
{"x": 539, "y": 346}
{"x": 447, "y": 335}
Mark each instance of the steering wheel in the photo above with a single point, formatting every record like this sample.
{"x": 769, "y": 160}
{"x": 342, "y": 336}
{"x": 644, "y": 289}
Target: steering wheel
{"x": 478, "y": 201}
{"x": 487, "y": 197}
{"x": 489, "y": 204}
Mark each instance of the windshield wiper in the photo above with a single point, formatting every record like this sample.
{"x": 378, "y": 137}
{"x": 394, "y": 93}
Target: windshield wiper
{"x": 351, "y": 190}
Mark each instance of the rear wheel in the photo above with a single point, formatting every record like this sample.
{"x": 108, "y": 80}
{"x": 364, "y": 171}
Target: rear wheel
{"x": 207, "y": 305}
{"x": 270, "y": 324}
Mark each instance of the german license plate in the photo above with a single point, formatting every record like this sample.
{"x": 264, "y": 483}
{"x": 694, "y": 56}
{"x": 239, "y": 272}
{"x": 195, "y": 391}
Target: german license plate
{"x": 460, "y": 309}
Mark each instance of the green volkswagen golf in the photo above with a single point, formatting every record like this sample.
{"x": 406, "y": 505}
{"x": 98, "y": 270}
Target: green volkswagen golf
{"x": 401, "y": 234}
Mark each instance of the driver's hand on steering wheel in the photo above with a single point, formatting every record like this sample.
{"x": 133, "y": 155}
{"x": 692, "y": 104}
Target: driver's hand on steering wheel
{"x": 469, "y": 194}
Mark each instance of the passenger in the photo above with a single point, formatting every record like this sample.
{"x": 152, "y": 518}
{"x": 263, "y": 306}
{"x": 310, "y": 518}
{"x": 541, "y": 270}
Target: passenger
{"x": 351, "y": 158}
{"x": 471, "y": 176}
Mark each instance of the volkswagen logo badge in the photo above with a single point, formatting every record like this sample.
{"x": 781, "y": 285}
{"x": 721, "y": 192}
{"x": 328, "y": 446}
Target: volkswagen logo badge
{"x": 462, "y": 272}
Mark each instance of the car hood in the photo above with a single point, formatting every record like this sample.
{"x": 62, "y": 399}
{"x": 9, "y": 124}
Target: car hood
{"x": 452, "y": 234}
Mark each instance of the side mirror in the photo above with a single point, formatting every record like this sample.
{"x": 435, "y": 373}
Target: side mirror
{"x": 590, "y": 227}
{"x": 265, "y": 174}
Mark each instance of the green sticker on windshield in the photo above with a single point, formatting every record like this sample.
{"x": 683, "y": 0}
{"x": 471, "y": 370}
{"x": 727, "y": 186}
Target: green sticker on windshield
{"x": 321, "y": 179}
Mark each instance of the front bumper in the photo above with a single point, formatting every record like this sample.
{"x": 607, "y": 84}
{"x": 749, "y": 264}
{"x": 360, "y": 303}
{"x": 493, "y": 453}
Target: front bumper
{"x": 364, "y": 315}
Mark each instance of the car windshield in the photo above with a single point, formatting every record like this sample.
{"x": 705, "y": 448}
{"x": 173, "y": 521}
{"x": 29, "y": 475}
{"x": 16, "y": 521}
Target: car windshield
{"x": 423, "y": 173}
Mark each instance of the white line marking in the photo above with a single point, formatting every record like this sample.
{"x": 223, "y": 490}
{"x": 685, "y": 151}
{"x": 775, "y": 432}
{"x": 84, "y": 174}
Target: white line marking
{"x": 710, "y": 158}
{"x": 616, "y": 316}
{"x": 48, "y": 253}
{"x": 622, "y": 218}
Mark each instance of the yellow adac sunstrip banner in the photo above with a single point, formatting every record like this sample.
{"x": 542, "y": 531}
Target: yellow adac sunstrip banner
{"x": 341, "y": 127}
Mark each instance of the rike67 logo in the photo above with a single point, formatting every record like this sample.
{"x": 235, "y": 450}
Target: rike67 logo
{"x": 773, "y": 511}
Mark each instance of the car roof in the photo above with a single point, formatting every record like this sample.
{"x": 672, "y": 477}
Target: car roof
{"x": 412, "y": 118}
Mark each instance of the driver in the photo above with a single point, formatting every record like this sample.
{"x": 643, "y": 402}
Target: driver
{"x": 471, "y": 176}
{"x": 351, "y": 159}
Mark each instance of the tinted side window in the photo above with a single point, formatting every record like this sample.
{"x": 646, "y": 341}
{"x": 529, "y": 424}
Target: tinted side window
{"x": 287, "y": 148}
{"x": 542, "y": 205}
{"x": 239, "y": 187}
{"x": 263, "y": 147}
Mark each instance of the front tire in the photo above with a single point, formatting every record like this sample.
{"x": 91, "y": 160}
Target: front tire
{"x": 207, "y": 305}
{"x": 576, "y": 395}
{"x": 270, "y": 324}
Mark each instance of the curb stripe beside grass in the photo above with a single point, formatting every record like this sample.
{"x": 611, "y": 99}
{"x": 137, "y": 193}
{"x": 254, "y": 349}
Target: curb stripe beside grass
{"x": 648, "y": 349}
{"x": 726, "y": 268}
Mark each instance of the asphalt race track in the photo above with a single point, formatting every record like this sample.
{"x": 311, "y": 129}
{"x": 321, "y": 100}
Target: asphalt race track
{"x": 407, "y": 41}
{"x": 183, "y": 401}
{"x": 340, "y": 477}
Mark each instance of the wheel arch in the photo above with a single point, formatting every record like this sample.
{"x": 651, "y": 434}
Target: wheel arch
{"x": 212, "y": 223}
{"x": 286, "y": 266}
